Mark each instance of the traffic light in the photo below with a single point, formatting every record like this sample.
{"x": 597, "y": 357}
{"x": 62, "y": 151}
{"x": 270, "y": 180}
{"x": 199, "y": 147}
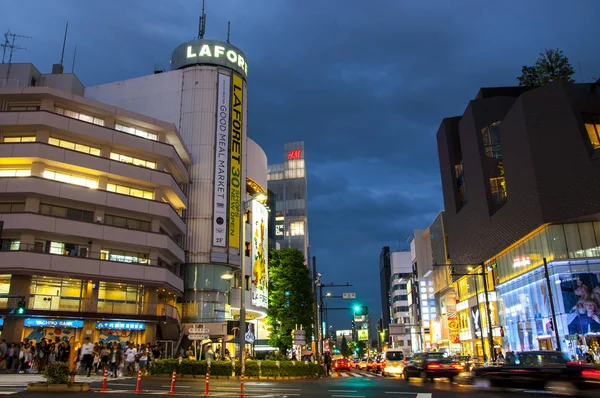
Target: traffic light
{"x": 21, "y": 307}
{"x": 361, "y": 310}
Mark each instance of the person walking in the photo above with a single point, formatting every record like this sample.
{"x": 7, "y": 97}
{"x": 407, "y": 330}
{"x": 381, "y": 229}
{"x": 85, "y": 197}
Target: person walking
{"x": 87, "y": 355}
{"x": 328, "y": 363}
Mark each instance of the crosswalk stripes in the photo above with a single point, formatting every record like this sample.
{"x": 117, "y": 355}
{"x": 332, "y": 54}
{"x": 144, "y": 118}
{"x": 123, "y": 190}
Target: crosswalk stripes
{"x": 352, "y": 374}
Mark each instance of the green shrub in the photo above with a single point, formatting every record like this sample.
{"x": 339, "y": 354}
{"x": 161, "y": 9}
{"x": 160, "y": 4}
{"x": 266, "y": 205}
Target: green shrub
{"x": 57, "y": 373}
{"x": 224, "y": 368}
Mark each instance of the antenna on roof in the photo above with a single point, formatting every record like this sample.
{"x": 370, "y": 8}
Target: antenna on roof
{"x": 202, "y": 24}
{"x": 62, "y": 54}
{"x": 9, "y": 43}
{"x": 228, "y": 31}
{"x": 74, "y": 57}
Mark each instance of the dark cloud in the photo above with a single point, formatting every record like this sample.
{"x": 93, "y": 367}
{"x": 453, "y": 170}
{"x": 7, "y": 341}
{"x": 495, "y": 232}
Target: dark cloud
{"x": 364, "y": 83}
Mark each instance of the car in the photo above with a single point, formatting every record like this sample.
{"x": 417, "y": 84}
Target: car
{"x": 431, "y": 365}
{"x": 377, "y": 364}
{"x": 341, "y": 364}
{"x": 552, "y": 371}
{"x": 393, "y": 364}
{"x": 362, "y": 365}
{"x": 355, "y": 362}
{"x": 370, "y": 364}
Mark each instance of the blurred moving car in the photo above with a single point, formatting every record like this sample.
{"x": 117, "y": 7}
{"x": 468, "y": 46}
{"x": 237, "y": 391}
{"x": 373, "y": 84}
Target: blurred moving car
{"x": 362, "y": 364}
{"x": 341, "y": 364}
{"x": 393, "y": 364}
{"x": 552, "y": 371}
{"x": 377, "y": 364}
{"x": 430, "y": 365}
{"x": 370, "y": 364}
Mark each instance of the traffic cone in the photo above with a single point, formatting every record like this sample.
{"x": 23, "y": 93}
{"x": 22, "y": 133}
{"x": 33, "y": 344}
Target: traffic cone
{"x": 138, "y": 386}
{"x": 103, "y": 389}
{"x": 173, "y": 382}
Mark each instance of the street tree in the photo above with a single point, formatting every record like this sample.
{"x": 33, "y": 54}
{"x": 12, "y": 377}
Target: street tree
{"x": 290, "y": 298}
{"x": 344, "y": 348}
{"x": 352, "y": 348}
{"x": 551, "y": 65}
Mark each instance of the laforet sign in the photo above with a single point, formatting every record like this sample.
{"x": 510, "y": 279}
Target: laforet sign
{"x": 209, "y": 52}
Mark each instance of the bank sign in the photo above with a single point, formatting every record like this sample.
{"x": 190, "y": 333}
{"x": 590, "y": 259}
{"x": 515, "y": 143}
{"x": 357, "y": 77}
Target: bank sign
{"x": 43, "y": 322}
{"x": 209, "y": 52}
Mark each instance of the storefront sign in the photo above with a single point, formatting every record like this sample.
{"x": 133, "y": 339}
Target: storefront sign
{"x": 1, "y": 322}
{"x": 42, "y": 322}
{"x": 209, "y": 52}
{"x": 236, "y": 182}
{"x": 523, "y": 261}
{"x": 221, "y": 162}
{"x": 120, "y": 325}
{"x": 294, "y": 154}
{"x": 260, "y": 255}
{"x": 363, "y": 334}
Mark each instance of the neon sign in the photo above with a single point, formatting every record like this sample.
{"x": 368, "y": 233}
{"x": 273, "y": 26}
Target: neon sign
{"x": 43, "y": 322}
{"x": 209, "y": 52}
{"x": 294, "y": 154}
{"x": 120, "y": 325}
{"x": 521, "y": 261}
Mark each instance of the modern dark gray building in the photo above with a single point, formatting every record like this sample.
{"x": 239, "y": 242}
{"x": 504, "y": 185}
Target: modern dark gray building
{"x": 287, "y": 181}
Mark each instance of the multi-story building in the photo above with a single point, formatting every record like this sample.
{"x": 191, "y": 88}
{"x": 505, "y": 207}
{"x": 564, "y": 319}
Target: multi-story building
{"x": 400, "y": 328}
{"x": 385, "y": 275}
{"x": 519, "y": 174}
{"x": 91, "y": 202}
{"x": 205, "y": 96}
{"x": 287, "y": 180}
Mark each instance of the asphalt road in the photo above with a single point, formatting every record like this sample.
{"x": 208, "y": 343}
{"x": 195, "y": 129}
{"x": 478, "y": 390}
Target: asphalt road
{"x": 343, "y": 385}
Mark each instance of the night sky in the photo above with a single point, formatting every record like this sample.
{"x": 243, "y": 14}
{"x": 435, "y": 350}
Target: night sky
{"x": 364, "y": 83}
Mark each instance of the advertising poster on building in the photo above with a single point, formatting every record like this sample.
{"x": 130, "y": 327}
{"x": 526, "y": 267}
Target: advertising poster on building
{"x": 221, "y": 162}
{"x": 363, "y": 334}
{"x": 581, "y": 297}
{"x": 235, "y": 161}
{"x": 260, "y": 255}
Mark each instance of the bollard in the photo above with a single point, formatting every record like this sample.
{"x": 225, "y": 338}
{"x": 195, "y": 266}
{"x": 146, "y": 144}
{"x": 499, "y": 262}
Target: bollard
{"x": 138, "y": 386}
{"x": 241, "y": 394}
{"x": 206, "y": 384}
{"x": 173, "y": 382}
{"x": 103, "y": 389}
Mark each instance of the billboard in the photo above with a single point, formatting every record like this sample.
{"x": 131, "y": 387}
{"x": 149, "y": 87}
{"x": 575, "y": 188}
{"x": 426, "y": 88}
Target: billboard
{"x": 235, "y": 161}
{"x": 260, "y": 255}
{"x": 581, "y": 297}
{"x": 221, "y": 162}
{"x": 363, "y": 334}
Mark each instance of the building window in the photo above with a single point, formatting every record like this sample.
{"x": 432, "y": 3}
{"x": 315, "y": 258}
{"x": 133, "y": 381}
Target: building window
{"x": 71, "y": 179}
{"x": 491, "y": 141}
{"x": 12, "y": 207}
{"x": 23, "y": 107}
{"x": 592, "y": 126}
{"x": 10, "y": 244}
{"x": 74, "y": 146}
{"x": 136, "y": 132}
{"x": 124, "y": 257}
{"x": 130, "y": 223}
{"x": 297, "y": 228}
{"x": 131, "y": 160}
{"x": 79, "y": 116}
{"x": 28, "y": 138}
{"x": 124, "y": 190}
{"x": 66, "y": 212}
{"x": 14, "y": 173}
{"x": 498, "y": 189}
{"x": 461, "y": 186}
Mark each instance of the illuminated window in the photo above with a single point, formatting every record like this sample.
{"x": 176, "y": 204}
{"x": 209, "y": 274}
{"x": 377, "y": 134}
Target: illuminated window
{"x": 23, "y": 106}
{"x": 125, "y": 190}
{"x": 498, "y": 189}
{"x": 131, "y": 160}
{"x": 14, "y": 173}
{"x": 491, "y": 141}
{"x": 79, "y": 116}
{"x": 20, "y": 139}
{"x": 592, "y": 126}
{"x": 71, "y": 179}
{"x": 136, "y": 132}
{"x": 74, "y": 146}
{"x": 124, "y": 257}
{"x": 297, "y": 228}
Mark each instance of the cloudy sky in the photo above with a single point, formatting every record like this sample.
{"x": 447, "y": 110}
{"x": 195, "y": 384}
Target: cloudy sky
{"x": 364, "y": 83}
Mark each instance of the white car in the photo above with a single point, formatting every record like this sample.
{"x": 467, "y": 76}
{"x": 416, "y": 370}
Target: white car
{"x": 393, "y": 364}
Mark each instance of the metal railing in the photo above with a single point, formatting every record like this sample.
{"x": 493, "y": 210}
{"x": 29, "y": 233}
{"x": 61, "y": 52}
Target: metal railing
{"x": 81, "y": 251}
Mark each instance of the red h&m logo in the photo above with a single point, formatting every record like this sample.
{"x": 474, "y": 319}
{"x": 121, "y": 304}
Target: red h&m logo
{"x": 294, "y": 154}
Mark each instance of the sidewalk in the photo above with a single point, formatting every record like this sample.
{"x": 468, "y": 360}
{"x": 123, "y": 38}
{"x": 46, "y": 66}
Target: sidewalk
{"x": 15, "y": 379}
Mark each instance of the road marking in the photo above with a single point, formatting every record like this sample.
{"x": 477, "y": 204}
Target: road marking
{"x": 341, "y": 390}
{"x": 423, "y": 395}
{"x": 355, "y": 375}
{"x": 348, "y": 396}
{"x": 343, "y": 374}
{"x": 368, "y": 375}
{"x": 176, "y": 386}
{"x": 286, "y": 389}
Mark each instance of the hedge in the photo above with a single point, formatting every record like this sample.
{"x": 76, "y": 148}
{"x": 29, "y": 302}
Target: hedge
{"x": 224, "y": 368}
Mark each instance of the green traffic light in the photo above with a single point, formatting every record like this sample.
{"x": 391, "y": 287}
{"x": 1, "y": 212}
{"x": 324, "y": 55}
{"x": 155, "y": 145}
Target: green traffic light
{"x": 356, "y": 308}
{"x": 20, "y": 311}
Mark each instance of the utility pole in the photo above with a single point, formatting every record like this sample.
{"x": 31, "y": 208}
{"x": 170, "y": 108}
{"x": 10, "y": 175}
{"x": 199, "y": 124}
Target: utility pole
{"x": 322, "y": 308}
{"x": 554, "y": 323}
{"x": 317, "y": 335}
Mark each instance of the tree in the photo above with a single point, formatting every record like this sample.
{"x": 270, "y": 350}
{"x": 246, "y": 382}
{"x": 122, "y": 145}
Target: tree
{"x": 551, "y": 65}
{"x": 290, "y": 298}
{"x": 344, "y": 348}
{"x": 352, "y": 348}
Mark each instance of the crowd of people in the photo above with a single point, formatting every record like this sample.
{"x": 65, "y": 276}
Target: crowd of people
{"x": 120, "y": 359}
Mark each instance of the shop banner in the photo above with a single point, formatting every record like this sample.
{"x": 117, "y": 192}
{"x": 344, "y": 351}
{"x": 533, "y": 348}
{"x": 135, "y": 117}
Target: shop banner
{"x": 42, "y": 322}
{"x": 235, "y": 161}
{"x": 581, "y": 297}
{"x": 120, "y": 325}
{"x": 221, "y": 162}
{"x": 260, "y": 255}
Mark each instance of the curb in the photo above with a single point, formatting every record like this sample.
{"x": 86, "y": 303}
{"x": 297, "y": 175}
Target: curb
{"x": 44, "y": 387}
{"x": 202, "y": 377}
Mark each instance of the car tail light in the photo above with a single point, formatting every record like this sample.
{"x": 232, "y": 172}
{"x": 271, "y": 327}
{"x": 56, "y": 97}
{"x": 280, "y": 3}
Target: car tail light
{"x": 434, "y": 366}
{"x": 458, "y": 366}
{"x": 577, "y": 363}
{"x": 383, "y": 363}
{"x": 405, "y": 361}
{"x": 591, "y": 373}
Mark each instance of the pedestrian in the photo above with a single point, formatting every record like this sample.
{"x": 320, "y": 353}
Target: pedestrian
{"x": 328, "y": 363}
{"x": 87, "y": 356}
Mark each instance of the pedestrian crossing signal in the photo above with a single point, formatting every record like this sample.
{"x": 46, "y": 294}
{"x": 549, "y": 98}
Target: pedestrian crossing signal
{"x": 21, "y": 307}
